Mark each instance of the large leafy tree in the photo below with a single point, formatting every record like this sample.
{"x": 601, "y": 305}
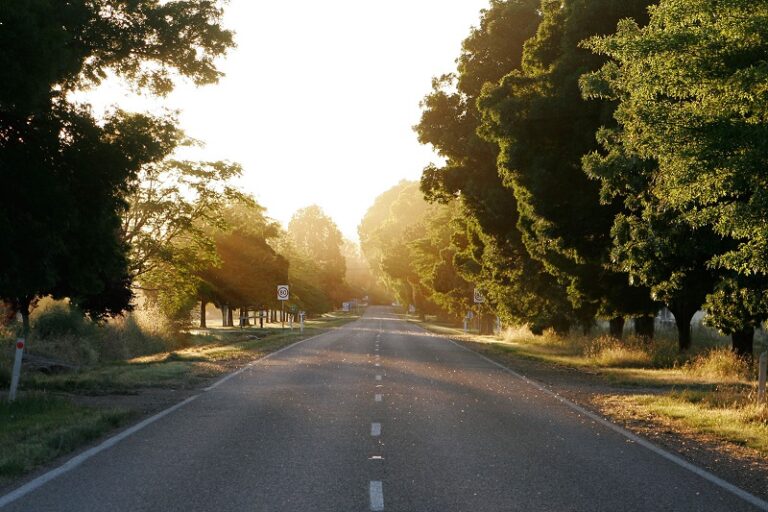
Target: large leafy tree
{"x": 246, "y": 269}
{"x": 692, "y": 100}
{"x": 313, "y": 234}
{"x": 489, "y": 242}
{"x": 543, "y": 127}
{"x": 395, "y": 221}
{"x": 650, "y": 242}
{"x": 174, "y": 210}
{"x": 65, "y": 173}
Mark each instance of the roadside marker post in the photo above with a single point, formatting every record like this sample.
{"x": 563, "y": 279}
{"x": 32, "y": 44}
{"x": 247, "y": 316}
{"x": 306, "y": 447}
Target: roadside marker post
{"x": 16, "y": 369}
{"x": 301, "y": 321}
{"x": 763, "y": 364}
{"x": 283, "y": 294}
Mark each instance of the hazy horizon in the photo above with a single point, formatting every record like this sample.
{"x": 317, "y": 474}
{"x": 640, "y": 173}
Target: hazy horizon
{"x": 318, "y": 101}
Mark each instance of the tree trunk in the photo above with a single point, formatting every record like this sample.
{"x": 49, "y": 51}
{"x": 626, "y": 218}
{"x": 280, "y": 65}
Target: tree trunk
{"x": 616, "y": 327}
{"x": 244, "y": 316}
{"x": 645, "y": 326}
{"x": 743, "y": 341}
{"x": 203, "y": 324}
{"x": 683, "y": 317}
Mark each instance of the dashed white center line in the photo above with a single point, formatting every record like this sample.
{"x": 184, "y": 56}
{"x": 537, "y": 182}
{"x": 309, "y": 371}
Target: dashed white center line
{"x": 377, "y": 397}
{"x": 378, "y": 377}
{"x": 375, "y": 429}
{"x": 377, "y": 496}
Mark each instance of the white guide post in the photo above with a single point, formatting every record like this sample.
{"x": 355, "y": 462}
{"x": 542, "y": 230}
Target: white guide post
{"x": 16, "y": 369}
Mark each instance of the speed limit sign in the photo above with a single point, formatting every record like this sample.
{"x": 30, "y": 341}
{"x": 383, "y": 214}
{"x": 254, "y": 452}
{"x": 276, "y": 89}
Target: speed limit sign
{"x": 282, "y": 292}
{"x": 479, "y": 297}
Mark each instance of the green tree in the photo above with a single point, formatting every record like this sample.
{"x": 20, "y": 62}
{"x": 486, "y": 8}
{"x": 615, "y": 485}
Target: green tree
{"x": 390, "y": 231}
{"x": 247, "y": 269}
{"x": 173, "y": 208}
{"x": 66, "y": 173}
{"x": 689, "y": 87}
{"x": 543, "y": 128}
{"x": 315, "y": 235}
{"x": 490, "y": 243}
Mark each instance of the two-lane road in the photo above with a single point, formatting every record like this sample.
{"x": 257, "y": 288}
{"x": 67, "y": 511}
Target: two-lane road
{"x": 377, "y": 415}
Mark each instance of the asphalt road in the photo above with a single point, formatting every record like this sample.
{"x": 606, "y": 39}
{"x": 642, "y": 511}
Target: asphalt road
{"x": 377, "y": 415}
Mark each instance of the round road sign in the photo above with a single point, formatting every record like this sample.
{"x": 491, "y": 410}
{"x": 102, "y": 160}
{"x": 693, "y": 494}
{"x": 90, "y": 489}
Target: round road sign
{"x": 282, "y": 292}
{"x": 20, "y": 344}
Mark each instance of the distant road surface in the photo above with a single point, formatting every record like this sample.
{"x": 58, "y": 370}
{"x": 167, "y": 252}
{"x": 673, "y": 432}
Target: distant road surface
{"x": 377, "y": 415}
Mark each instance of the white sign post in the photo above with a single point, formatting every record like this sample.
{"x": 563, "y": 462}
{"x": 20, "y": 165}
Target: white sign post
{"x": 16, "y": 369}
{"x": 301, "y": 320}
{"x": 283, "y": 294}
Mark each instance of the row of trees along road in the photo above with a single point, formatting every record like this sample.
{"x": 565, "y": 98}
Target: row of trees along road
{"x": 66, "y": 174}
{"x": 95, "y": 209}
{"x": 601, "y": 158}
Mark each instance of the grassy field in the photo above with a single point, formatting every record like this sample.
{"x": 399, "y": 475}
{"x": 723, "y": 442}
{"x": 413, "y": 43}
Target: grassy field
{"x": 706, "y": 391}
{"x": 46, "y": 421}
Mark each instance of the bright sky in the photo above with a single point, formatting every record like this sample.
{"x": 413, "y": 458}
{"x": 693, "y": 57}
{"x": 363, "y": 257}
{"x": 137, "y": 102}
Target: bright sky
{"x": 319, "y": 98}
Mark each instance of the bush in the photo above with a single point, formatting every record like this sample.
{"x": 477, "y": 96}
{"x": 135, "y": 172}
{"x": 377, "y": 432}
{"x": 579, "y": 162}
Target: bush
{"x": 124, "y": 338}
{"x": 56, "y": 319}
{"x": 610, "y": 352}
{"x": 719, "y": 364}
{"x": 62, "y": 332}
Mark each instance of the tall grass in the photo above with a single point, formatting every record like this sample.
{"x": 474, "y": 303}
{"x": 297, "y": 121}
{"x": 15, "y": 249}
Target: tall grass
{"x": 61, "y": 332}
{"x": 710, "y": 358}
{"x": 719, "y": 365}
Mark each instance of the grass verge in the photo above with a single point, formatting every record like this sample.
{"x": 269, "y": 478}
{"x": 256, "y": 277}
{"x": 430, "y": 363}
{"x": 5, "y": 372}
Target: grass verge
{"x": 40, "y": 427}
{"x": 210, "y": 353}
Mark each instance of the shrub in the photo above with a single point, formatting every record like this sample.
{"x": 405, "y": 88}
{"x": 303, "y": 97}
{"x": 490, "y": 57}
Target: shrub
{"x": 608, "y": 351}
{"x": 57, "y": 319}
{"x": 719, "y": 364}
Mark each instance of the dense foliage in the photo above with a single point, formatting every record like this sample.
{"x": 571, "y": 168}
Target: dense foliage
{"x": 601, "y": 158}
{"x": 66, "y": 173}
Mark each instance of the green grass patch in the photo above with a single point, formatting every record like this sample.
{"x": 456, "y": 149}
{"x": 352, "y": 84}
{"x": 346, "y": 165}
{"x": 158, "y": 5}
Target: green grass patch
{"x": 38, "y": 428}
{"x": 728, "y": 413}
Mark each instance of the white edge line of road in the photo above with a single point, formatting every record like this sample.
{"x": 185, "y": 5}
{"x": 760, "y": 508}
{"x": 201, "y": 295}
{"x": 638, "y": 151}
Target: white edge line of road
{"x": 112, "y": 441}
{"x": 741, "y": 493}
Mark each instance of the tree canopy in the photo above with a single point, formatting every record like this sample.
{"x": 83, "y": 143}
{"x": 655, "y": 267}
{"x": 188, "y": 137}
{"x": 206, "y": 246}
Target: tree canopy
{"x": 69, "y": 172}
